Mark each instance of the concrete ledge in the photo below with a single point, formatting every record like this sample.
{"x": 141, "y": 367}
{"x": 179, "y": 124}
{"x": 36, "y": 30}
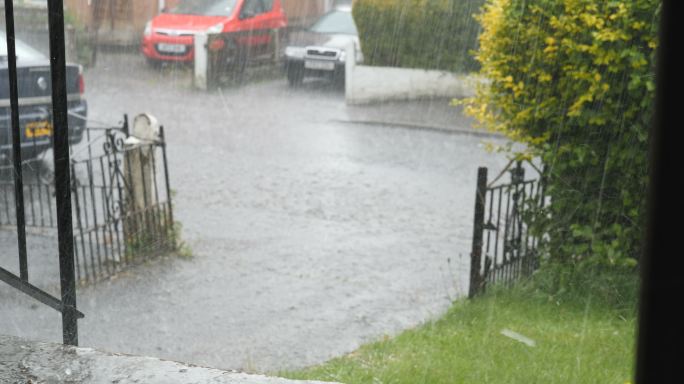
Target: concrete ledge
{"x": 23, "y": 361}
{"x": 425, "y": 127}
{"x": 366, "y": 84}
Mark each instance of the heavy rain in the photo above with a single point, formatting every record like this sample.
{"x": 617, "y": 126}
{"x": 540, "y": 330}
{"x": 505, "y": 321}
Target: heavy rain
{"x": 255, "y": 189}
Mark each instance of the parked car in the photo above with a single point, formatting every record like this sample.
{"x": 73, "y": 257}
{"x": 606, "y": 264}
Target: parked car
{"x": 320, "y": 51}
{"x": 170, "y": 35}
{"x": 35, "y": 101}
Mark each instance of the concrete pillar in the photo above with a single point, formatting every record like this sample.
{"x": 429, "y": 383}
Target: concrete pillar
{"x": 277, "y": 46}
{"x": 349, "y": 66}
{"x": 138, "y": 171}
{"x": 200, "y": 79}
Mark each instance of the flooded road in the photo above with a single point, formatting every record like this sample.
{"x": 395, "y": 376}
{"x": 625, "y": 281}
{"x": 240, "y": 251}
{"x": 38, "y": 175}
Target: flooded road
{"x": 311, "y": 233}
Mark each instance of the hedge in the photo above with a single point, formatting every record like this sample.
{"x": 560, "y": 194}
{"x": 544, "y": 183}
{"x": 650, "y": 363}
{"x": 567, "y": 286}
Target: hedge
{"x": 574, "y": 80}
{"x": 427, "y": 34}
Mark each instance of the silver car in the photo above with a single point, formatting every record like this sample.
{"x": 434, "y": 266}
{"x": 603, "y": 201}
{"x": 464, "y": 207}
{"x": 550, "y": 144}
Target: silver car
{"x": 320, "y": 51}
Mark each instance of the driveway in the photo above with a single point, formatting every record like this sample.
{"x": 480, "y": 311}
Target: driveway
{"x": 311, "y": 234}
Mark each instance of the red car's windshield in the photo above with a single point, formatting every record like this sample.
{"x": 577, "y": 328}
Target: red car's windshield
{"x": 205, "y": 8}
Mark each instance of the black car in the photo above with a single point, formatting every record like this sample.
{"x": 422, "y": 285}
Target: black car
{"x": 320, "y": 51}
{"x": 35, "y": 101}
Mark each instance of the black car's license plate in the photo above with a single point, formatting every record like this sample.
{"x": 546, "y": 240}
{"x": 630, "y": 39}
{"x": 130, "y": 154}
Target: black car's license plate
{"x": 36, "y": 129}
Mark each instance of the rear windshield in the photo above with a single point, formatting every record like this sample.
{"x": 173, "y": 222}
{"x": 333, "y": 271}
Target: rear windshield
{"x": 24, "y": 52}
{"x": 205, "y": 7}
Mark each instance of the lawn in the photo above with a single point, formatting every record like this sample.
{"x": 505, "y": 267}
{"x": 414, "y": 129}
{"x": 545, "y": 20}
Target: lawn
{"x": 575, "y": 341}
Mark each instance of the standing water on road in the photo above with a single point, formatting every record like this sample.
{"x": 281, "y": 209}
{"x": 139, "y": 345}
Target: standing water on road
{"x": 322, "y": 170}
{"x": 302, "y": 224}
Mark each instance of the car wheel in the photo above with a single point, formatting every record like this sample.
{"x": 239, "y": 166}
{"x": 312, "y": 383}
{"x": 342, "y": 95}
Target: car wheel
{"x": 338, "y": 79}
{"x": 295, "y": 76}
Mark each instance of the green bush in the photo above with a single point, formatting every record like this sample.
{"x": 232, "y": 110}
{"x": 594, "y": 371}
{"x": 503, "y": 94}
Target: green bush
{"x": 427, "y": 34}
{"x": 574, "y": 80}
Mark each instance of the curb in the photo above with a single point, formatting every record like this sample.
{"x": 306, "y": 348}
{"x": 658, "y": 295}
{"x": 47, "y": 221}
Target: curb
{"x": 422, "y": 127}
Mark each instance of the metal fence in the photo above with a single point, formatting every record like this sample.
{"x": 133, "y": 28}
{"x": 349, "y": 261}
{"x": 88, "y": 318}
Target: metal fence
{"x": 224, "y": 58}
{"x": 121, "y": 199}
{"x": 504, "y": 246}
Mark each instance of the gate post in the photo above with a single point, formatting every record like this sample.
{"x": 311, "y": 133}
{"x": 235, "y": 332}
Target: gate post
{"x": 476, "y": 278}
{"x": 275, "y": 35}
{"x": 138, "y": 159}
{"x": 201, "y": 67}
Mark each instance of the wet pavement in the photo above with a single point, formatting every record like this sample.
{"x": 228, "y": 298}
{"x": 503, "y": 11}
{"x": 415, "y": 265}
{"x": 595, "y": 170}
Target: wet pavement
{"x": 311, "y": 234}
{"x": 23, "y": 361}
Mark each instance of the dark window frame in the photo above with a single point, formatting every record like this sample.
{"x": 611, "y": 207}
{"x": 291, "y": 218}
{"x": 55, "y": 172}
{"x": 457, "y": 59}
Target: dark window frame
{"x": 66, "y": 305}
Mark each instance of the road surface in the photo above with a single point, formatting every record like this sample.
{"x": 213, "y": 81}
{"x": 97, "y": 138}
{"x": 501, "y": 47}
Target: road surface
{"x": 311, "y": 235}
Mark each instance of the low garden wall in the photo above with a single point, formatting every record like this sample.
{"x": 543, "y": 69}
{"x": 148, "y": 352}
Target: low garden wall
{"x": 368, "y": 84}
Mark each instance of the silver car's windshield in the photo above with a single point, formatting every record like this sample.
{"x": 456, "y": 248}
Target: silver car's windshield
{"x": 336, "y": 22}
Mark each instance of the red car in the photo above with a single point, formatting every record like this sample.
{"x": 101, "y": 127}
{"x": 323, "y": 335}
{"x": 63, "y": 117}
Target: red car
{"x": 170, "y": 35}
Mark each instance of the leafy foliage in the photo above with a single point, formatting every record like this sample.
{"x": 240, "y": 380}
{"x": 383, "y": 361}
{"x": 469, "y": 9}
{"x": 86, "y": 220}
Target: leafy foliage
{"x": 427, "y": 34}
{"x": 573, "y": 79}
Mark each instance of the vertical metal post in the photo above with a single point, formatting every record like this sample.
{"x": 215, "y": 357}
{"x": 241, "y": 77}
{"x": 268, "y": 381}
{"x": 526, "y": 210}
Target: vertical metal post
{"x": 170, "y": 222}
{"x": 16, "y": 140}
{"x": 478, "y": 230}
{"x": 62, "y": 171}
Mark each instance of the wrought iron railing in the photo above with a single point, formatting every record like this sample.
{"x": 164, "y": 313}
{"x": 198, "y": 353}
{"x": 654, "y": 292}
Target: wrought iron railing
{"x": 505, "y": 246}
{"x": 120, "y": 195}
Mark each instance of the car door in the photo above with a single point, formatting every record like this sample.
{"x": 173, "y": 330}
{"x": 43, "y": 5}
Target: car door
{"x": 255, "y": 24}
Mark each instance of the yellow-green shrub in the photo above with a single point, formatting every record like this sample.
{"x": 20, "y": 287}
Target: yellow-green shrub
{"x": 574, "y": 79}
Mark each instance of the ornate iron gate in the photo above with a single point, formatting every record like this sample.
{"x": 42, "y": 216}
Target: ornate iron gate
{"x": 122, "y": 204}
{"x": 120, "y": 195}
{"x": 504, "y": 249}
{"x": 109, "y": 202}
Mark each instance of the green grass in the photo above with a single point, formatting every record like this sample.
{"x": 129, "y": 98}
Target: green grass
{"x": 577, "y": 341}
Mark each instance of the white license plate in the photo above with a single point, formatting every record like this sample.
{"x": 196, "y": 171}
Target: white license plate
{"x": 320, "y": 65}
{"x": 171, "y": 48}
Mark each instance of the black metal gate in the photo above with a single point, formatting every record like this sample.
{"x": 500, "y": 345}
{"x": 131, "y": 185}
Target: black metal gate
{"x": 504, "y": 247}
{"x": 108, "y": 200}
{"x": 120, "y": 195}
{"x": 122, "y": 204}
